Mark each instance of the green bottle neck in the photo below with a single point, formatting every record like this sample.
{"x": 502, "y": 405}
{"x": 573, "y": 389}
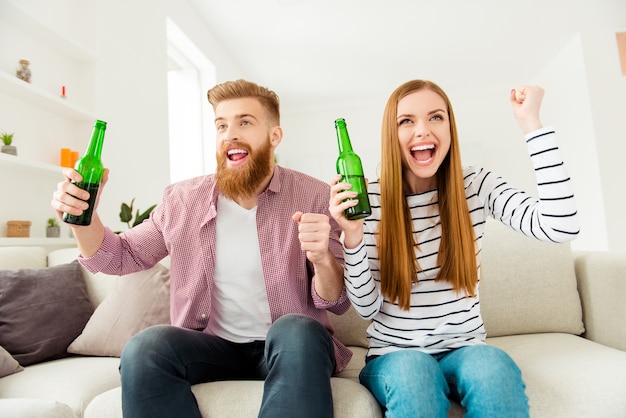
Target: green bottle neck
{"x": 94, "y": 149}
{"x": 343, "y": 139}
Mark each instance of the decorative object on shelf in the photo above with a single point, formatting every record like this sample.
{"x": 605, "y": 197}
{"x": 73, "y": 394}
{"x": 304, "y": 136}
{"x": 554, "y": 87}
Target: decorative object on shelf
{"x": 7, "y": 140}
{"x": 66, "y": 157}
{"x": 18, "y": 229}
{"x": 126, "y": 214}
{"x": 63, "y": 96}
{"x": 53, "y": 230}
{"x": 23, "y": 71}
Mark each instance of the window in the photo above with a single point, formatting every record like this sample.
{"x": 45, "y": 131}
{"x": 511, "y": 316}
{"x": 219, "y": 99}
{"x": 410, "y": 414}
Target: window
{"x": 192, "y": 138}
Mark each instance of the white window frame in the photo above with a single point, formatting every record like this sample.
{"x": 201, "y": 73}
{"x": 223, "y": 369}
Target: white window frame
{"x": 191, "y": 133}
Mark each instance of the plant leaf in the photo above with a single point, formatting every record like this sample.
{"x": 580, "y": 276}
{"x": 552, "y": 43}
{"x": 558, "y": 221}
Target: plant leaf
{"x": 139, "y": 218}
{"x": 126, "y": 213}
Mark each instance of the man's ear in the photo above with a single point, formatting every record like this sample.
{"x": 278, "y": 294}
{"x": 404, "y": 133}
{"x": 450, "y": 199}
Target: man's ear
{"x": 276, "y": 135}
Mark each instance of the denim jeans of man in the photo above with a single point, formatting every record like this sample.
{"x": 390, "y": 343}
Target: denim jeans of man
{"x": 159, "y": 365}
{"x": 410, "y": 383}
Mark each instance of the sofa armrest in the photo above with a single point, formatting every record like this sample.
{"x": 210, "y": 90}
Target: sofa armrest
{"x": 602, "y": 286}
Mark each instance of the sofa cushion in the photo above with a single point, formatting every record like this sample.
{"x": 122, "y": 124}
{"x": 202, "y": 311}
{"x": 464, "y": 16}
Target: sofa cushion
{"x": 527, "y": 286}
{"x": 242, "y": 398}
{"x": 42, "y": 311}
{"x": 8, "y": 365}
{"x": 29, "y": 408}
{"x": 137, "y": 301}
{"x": 568, "y": 376}
{"x": 73, "y": 381}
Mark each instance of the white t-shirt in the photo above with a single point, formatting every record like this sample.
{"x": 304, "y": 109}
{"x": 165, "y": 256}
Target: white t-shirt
{"x": 240, "y": 310}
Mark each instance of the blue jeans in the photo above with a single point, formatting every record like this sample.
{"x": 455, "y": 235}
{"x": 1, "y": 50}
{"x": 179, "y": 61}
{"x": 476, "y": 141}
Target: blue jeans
{"x": 483, "y": 378}
{"x": 159, "y": 365}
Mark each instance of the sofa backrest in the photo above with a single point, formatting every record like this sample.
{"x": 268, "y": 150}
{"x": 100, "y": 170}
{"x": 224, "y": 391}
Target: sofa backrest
{"x": 22, "y": 258}
{"x": 350, "y": 328}
{"x": 527, "y": 286}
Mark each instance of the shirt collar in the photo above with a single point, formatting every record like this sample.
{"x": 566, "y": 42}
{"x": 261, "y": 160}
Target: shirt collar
{"x": 274, "y": 186}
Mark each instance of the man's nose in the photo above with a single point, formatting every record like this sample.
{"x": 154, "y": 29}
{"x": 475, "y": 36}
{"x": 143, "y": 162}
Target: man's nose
{"x": 231, "y": 134}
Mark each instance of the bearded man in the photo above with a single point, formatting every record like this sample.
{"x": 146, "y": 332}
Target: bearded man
{"x": 256, "y": 262}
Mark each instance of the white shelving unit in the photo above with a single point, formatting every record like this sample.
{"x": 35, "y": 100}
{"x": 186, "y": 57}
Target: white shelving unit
{"x": 43, "y": 121}
{"x": 16, "y": 162}
{"x": 13, "y": 86}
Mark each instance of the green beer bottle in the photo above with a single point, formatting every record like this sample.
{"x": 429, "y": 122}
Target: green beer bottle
{"x": 350, "y": 167}
{"x": 90, "y": 167}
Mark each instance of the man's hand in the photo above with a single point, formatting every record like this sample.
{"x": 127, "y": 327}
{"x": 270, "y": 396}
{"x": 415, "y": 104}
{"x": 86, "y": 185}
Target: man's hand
{"x": 70, "y": 198}
{"x": 314, "y": 233}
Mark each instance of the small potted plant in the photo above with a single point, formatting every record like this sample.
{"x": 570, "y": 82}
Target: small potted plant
{"x": 53, "y": 230}
{"x": 126, "y": 215}
{"x": 7, "y": 139}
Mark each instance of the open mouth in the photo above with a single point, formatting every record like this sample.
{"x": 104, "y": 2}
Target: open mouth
{"x": 236, "y": 154}
{"x": 423, "y": 153}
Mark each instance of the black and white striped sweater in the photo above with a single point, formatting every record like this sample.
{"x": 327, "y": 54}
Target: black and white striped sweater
{"x": 439, "y": 318}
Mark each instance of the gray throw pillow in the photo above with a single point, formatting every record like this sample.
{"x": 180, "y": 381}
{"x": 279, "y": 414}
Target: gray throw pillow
{"x": 8, "y": 365}
{"x": 42, "y": 311}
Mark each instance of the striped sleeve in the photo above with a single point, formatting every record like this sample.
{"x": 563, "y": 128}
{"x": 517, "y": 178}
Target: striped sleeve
{"x": 360, "y": 284}
{"x": 552, "y": 216}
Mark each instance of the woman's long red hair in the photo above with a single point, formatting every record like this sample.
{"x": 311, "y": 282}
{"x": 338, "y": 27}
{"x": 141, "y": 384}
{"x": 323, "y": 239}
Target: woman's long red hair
{"x": 396, "y": 243}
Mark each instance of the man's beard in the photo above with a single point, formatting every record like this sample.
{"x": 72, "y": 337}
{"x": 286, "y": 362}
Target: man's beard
{"x": 244, "y": 181}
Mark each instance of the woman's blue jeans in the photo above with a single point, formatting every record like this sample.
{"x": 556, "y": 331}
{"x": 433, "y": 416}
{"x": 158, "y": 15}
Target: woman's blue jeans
{"x": 159, "y": 365}
{"x": 483, "y": 378}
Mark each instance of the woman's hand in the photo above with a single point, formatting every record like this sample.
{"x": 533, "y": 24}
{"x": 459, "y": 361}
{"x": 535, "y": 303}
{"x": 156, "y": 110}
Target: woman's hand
{"x": 339, "y": 195}
{"x": 526, "y": 102}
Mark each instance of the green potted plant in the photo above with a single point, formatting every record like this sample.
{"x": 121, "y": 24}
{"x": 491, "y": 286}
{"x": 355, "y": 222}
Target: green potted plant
{"x": 7, "y": 139}
{"x": 126, "y": 214}
{"x": 53, "y": 230}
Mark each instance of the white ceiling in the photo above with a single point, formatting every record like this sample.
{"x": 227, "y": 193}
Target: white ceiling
{"x": 312, "y": 51}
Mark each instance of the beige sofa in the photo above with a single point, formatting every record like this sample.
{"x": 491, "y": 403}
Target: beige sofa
{"x": 537, "y": 299}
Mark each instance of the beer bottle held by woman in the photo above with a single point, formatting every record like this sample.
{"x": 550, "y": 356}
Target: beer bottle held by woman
{"x": 351, "y": 169}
